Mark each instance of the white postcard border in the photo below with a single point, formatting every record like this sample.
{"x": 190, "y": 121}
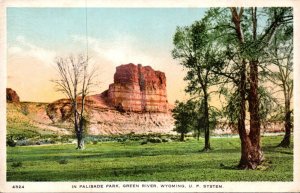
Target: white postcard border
{"x": 196, "y": 186}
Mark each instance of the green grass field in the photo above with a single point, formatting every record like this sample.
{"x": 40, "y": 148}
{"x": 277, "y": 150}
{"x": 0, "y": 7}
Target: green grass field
{"x": 130, "y": 161}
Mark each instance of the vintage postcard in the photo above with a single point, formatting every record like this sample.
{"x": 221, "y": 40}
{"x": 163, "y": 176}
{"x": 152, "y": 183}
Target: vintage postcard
{"x": 149, "y": 96}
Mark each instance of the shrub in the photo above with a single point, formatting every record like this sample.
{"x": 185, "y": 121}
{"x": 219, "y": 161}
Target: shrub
{"x": 144, "y": 142}
{"x": 120, "y": 139}
{"x": 63, "y": 161}
{"x": 155, "y": 140}
{"x": 10, "y": 142}
{"x": 22, "y": 142}
{"x": 165, "y": 140}
{"x": 175, "y": 138}
{"x": 95, "y": 142}
{"x": 17, "y": 164}
{"x": 52, "y": 141}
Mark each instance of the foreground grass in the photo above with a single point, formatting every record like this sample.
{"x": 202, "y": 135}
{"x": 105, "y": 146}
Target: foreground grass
{"x": 130, "y": 161}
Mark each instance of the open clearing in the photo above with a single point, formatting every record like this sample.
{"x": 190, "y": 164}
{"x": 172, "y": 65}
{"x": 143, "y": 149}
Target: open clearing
{"x": 130, "y": 161}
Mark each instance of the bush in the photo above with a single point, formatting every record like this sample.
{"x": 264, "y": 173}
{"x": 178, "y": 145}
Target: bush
{"x": 63, "y": 161}
{"x": 52, "y": 142}
{"x": 17, "y": 164}
{"x": 165, "y": 140}
{"x": 121, "y": 139}
{"x": 10, "y": 142}
{"x": 155, "y": 140}
{"x": 23, "y": 142}
{"x": 175, "y": 138}
{"x": 23, "y": 134}
{"x": 144, "y": 142}
{"x": 95, "y": 142}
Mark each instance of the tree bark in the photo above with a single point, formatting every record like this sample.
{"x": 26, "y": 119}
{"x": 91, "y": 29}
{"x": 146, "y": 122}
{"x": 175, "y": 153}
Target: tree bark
{"x": 78, "y": 127}
{"x": 286, "y": 141}
{"x": 80, "y": 141}
{"x": 181, "y": 137}
{"x": 79, "y": 134}
{"x": 257, "y": 155}
{"x": 250, "y": 144}
{"x": 206, "y": 120}
{"x": 245, "y": 141}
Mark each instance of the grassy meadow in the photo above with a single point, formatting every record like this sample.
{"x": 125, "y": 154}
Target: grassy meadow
{"x": 131, "y": 161}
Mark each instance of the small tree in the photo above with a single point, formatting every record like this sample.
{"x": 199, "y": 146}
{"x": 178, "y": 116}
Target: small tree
{"x": 75, "y": 79}
{"x": 199, "y": 56}
{"x": 184, "y": 116}
{"x": 282, "y": 57}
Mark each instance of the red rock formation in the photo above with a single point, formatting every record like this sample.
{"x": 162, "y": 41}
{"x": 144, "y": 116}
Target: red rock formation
{"x": 61, "y": 110}
{"x": 139, "y": 89}
{"x": 12, "y": 96}
{"x": 135, "y": 88}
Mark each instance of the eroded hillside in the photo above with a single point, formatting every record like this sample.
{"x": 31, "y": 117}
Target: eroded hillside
{"x": 135, "y": 103}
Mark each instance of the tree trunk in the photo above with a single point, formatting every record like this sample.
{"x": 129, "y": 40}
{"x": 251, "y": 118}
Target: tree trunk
{"x": 78, "y": 127}
{"x": 181, "y": 137}
{"x": 286, "y": 141}
{"x": 252, "y": 155}
{"x": 207, "y": 141}
{"x": 80, "y": 141}
{"x": 245, "y": 142}
{"x": 250, "y": 145}
{"x": 79, "y": 134}
{"x": 256, "y": 154}
{"x": 206, "y": 123}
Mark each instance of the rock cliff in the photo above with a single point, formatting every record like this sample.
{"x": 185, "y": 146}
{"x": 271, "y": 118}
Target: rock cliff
{"x": 135, "y": 102}
{"x": 104, "y": 119}
{"x": 12, "y": 96}
{"x": 138, "y": 88}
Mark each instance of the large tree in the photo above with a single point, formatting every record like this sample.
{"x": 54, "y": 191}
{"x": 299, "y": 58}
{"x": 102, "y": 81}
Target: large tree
{"x": 75, "y": 79}
{"x": 246, "y": 42}
{"x": 199, "y": 56}
{"x": 253, "y": 44}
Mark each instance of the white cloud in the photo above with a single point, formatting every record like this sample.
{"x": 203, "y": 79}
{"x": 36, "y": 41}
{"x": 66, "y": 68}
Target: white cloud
{"x": 121, "y": 50}
{"x": 24, "y": 48}
{"x": 13, "y": 50}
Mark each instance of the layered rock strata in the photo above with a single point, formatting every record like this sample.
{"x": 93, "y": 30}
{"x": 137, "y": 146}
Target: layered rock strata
{"x": 106, "y": 120}
{"x": 135, "y": 103}
{"x": 138, "y": 88}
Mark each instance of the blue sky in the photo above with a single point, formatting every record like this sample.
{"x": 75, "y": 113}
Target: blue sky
{"x": 53, "y": 27}
{"x": 116, "y": 36}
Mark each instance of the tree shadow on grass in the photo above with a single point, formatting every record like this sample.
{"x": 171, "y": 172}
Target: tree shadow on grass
{"x": 111, "y": 173}
{"x": 221, "y": 151}
{"x": 275, "y": 149}
{"x": 229, "y": 167}
{"x": 103, "y": 155}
